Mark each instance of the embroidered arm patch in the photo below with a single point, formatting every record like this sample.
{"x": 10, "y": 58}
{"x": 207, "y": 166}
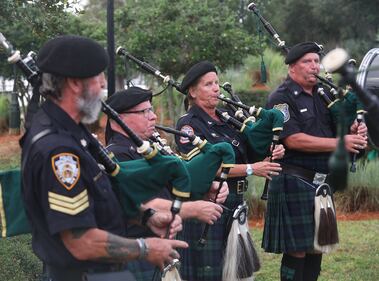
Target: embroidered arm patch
{"x": 188, "y": 130}
{"x": 66, "y": 168}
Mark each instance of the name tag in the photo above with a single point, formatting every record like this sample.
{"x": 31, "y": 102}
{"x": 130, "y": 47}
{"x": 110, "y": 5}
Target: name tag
{"x": 303, "y": 110}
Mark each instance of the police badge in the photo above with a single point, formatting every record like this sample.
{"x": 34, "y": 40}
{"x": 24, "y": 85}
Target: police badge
{"x": 66, "y": 168}
{"x": 283, "y": 107}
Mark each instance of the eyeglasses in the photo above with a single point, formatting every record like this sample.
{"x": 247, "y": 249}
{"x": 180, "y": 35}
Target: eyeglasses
{"x": 146, "y": 111}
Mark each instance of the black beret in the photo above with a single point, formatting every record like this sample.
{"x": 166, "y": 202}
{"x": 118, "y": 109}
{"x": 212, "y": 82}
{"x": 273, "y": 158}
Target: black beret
{"x": 299, "y": 50}
{"x": 195, "y": 72}
{"x": 124, "y": 100}
{"x": 72, "y": 56}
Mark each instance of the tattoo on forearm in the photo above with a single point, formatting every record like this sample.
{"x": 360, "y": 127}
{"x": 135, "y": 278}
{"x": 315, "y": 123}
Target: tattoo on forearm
{"x": 121, "y": 249}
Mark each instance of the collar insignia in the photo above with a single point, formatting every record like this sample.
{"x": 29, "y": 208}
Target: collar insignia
{"x": 214, "y": 135}
{"x": 66, "y": 168}
{"x": 283, "y": 107}
{"x": 295, "y": 93}
{"x": 83, "y": 142}
{"x": 210, "y": 123}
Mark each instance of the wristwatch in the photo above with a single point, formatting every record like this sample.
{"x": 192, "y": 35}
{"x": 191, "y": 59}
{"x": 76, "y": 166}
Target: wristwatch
{"x": 147, "y": 214}
{"x": 249, "y": 170}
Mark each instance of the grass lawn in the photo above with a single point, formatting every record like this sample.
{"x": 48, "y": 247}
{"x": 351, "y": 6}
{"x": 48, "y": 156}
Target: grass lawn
{"x": 356, "y": 259}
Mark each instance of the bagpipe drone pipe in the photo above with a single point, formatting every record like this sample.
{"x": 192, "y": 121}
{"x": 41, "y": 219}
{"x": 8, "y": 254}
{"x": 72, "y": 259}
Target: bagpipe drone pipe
{"x": 137, "y": 181}
{"x": 340, "y": 97}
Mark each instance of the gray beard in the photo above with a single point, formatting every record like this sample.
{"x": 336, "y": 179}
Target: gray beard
{"x": 89, "y": 106}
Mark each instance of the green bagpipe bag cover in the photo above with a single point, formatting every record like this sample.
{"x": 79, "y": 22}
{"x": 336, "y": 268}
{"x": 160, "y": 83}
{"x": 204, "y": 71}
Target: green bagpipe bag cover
{"x": 260, "y": 133}
{"x": 13, "y": 219}
{"x": 140, "y": 180}
{"x": 202, "y": 165}
{"x": 352, "y": 105}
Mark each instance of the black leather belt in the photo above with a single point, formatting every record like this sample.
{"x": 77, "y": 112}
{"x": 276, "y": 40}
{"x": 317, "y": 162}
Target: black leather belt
{"x": 238, "y": 187}
{"x": 308, "y": 175}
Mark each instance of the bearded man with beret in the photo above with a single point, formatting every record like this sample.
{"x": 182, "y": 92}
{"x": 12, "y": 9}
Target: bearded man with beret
{"x": 309, "y": 138}
{"x": 77, "y": 225}
{"x": 135, "y": 109}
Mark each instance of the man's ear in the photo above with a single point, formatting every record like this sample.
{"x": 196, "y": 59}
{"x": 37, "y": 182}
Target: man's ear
{"x": 76, "y": 85}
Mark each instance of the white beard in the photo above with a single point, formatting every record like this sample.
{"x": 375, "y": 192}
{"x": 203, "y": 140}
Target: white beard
{"x": 89, "y": 106}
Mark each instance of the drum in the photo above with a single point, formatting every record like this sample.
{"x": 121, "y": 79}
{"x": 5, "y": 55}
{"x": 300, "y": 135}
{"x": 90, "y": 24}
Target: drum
{"x": 368, "y": 79}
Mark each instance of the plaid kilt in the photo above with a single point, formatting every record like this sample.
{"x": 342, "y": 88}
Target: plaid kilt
{"x": 289, "y": 219}
{"x": 205, "y": 264}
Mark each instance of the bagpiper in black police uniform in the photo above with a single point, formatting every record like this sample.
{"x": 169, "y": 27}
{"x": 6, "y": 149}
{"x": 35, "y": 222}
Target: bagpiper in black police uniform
{"x": 76, "y": 220}
{"x": 309, "y": 138}
{"x": 201, "y": 120}
{"x": 135, "y": 109}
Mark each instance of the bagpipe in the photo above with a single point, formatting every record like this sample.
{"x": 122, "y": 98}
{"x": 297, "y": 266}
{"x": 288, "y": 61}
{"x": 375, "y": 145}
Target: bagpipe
{"x": 244, "y": 254}
{"x": 262, "y": 134}
{"x": 137, "y": 181}
{"x": 352, "y": 106}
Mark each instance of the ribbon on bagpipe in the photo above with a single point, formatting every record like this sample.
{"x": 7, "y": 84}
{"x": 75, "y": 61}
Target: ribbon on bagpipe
{"x": 137, "y": 180}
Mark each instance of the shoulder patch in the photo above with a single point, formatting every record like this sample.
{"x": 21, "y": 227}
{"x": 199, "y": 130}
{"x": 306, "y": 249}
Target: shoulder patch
{"x": 188, "y": 130}
{"x": 66, "y": 168}
{"x": 283, "y": 107}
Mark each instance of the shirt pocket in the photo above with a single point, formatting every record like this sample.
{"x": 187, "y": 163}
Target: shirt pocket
{"x": 307, "y": 120}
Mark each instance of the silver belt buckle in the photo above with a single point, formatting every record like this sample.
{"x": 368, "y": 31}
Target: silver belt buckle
{"x": 241, "y": 186}
{"x": 319, "y": 178}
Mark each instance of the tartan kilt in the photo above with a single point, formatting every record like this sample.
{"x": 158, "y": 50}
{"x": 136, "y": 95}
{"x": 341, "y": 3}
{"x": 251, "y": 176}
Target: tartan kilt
{"x": 142, "y": 270}
{"x": 289, "y": 219}
{"x": 205, "y": 264}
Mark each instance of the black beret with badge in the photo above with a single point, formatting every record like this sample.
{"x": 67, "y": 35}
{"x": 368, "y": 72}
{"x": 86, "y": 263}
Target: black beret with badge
{"x": 195, "y": 72}
{"x": 72, "y": 56}
{"x": 299, "y": 50}
{"x": 124, "y": 100}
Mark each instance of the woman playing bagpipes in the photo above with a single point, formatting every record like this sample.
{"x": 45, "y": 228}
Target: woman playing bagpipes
{"x": 207, "y": 262}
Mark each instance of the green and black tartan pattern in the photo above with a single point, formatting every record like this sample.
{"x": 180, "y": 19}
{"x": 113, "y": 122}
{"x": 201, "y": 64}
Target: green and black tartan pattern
{"x": 205, "y": 264}
{"x": 289, "y": 219}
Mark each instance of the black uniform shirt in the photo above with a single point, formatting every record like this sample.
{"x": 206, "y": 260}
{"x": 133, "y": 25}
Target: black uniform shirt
{"x": 198, "y": 122}
{"x": 303, "y": 113}
{"x": 124, "y": 149}
{"x": 63, "y": 187}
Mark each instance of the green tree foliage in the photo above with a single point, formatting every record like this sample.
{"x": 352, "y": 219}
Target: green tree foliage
{"x": 351, "y": 24}
{"x": 28, "y": 24}
{"x": 176, "y": 34}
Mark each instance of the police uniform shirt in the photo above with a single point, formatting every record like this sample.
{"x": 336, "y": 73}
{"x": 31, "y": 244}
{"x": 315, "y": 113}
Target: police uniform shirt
{"x": 198, "y": 122}
{"x": 303, "y": 113}
{"x": 123, "y": 147}
{"x": 63, "y": 187}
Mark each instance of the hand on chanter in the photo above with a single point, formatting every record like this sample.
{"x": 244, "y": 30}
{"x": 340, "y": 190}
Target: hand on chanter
{"x": 222, "y": 195}
{"x": 159, "y": 222}
{"x": 266, "y": 169}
